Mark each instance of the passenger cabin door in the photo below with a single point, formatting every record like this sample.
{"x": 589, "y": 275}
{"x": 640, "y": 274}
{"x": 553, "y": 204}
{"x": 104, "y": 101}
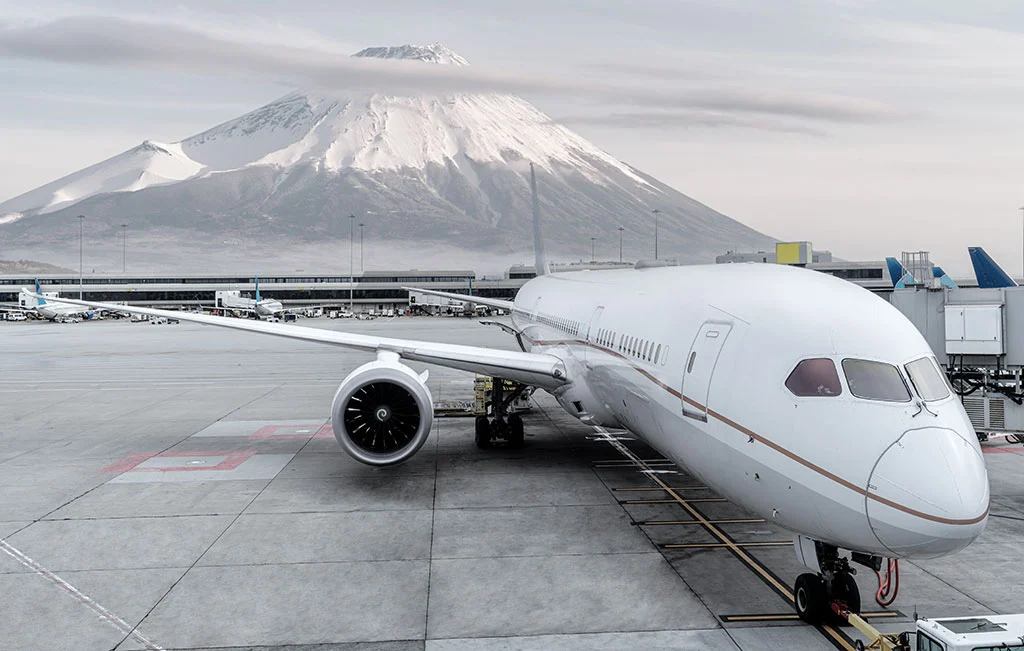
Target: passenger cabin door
{"x": 700, "y": 367}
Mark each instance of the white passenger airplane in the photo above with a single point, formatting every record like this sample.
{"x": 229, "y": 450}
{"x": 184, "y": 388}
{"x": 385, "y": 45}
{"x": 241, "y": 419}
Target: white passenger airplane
{"x": 798, "y": 396}
{"x": 47, "y": 305}
{"x": 259, "y": 307}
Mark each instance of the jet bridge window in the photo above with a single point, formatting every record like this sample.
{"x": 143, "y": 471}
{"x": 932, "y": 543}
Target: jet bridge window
{"x": 814, "y": 377}
{"x": 875, "y": 380}
{"x": 927, "y": 379}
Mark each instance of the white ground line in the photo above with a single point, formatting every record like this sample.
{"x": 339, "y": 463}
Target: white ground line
{"x": 82, "y": 598}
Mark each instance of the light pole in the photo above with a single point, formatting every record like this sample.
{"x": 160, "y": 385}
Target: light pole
{"x": 360, "y": 247}
{"x": 656, "y": 212}
{"x": 592, "y": 248}
{"x": 81, "y": 220}
{"x": 351, "y": 260}
{"x": 124, "y": 248}
{"x": 620, "y": 243}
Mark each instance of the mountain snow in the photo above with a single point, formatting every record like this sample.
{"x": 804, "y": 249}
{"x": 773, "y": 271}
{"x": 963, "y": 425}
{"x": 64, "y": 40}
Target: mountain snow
{"x": 151, "y": 163}
{"x": 432, "y": 167}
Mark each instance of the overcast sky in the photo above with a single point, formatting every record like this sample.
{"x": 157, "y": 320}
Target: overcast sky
{"x": 866, "y": 127}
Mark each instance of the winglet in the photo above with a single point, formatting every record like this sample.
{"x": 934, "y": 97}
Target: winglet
{"x": 39, "y": 294}
{"x": 989, "y": 274}
{"x": 538, "y": 240}
{"x": 899, "y": 275}
{"x": 257, "y": 279}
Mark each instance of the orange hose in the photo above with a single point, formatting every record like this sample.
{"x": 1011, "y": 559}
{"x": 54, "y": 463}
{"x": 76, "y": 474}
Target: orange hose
{"x": 889, "y": 584}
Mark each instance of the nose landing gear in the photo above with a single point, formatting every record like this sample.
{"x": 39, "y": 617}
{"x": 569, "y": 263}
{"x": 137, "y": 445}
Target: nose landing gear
{"x": 818, "y": 596}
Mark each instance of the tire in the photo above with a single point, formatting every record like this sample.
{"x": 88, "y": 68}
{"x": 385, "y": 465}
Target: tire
{"x": 483, "y": 433}
{"x": 516, "y": 435}
{"x": 809, "y": 598}
{"x": 844, "y": 588}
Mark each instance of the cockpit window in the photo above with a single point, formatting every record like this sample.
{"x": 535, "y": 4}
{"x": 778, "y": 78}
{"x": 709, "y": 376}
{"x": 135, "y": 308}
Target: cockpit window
{"x": 814, "y": 377}
{"x": 927, "y": 379}
{"x": 875, "y": 380}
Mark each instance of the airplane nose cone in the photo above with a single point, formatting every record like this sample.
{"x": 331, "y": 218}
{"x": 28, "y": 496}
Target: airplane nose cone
{"x": 928, "y": 494}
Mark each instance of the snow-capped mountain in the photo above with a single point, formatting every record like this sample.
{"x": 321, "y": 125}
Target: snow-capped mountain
{"x": 452, "y": 169}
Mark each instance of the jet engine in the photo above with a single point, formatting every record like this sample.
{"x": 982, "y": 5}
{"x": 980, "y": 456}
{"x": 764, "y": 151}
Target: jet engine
{"x": 382, "y": 412}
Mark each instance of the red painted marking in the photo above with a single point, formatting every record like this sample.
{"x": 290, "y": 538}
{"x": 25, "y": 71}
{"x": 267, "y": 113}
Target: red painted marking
{"x": 269, "y": 432}
{"x": 231, "y": 461}
{"x": 325, "y": 432}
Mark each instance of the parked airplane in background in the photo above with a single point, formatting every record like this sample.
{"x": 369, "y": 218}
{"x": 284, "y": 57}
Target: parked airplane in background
{"x": 989, "y": 274}
{"x": 798, "y": 396}
{"x": 943, "y": 277}
{"x": 44, "y": 306}
{"x": 259, "y": 307}
{"x": 901, "y": 278}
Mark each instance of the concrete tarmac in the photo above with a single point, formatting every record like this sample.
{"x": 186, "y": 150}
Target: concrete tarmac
{"x": 178, "y": 487}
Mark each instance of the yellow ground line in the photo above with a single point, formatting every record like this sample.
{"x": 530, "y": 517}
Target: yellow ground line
{"x": 793, "y": 616}
{"x": 829, "y": 630}
{"x": 764, "y": 543}
{"x": 651, "y": 489}
{"x": 656, "y": 523}
{"x": 694, "y": 500}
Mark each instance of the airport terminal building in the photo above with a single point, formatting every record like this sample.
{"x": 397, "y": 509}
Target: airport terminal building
{"x": 382, "y": 290}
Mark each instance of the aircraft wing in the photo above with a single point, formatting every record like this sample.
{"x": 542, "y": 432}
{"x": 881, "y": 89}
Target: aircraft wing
{"x": 465, "y": 298}
{"x": 535, "y": 369}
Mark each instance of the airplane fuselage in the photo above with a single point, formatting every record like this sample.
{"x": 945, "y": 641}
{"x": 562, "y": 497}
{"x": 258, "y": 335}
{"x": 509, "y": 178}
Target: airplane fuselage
{"x": 696, "y": 360}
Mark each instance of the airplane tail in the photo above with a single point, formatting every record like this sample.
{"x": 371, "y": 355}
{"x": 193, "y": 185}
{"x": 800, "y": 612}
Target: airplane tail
{"x": 257, "y": 279}
{"x": 943, "y": 278}
{"x": 899, "y": 274}
{"x": 989, "y": 274}
{"x": 538, "y": 239}
{"x": 39, "y": 293}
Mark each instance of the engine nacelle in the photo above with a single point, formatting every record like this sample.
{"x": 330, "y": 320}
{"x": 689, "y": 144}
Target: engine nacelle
{"x": 382, "y": 412}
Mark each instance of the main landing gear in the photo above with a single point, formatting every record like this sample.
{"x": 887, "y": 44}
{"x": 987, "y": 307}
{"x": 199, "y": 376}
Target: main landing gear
{"x": 498, "y": 423}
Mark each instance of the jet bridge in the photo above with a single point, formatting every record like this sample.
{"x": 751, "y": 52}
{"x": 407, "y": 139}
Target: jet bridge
{"x": 978, "y": 337}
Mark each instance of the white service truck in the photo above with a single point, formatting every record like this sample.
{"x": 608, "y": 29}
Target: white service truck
{"x": 973, "y": 633}
{"x": 979, "y": 633}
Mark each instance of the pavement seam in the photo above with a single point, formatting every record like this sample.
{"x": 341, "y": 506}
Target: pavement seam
{"x": 655, "y": 549}
{"x": 955, "y": 589}
{"x": 346, "y": 562}
{"x": 223, "y": 531}
{"x": 433, "y": 519}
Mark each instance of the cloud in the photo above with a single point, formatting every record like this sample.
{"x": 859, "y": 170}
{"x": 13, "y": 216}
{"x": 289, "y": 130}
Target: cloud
{"x": 666, "y": 121}
{"x": 114, "y": 42}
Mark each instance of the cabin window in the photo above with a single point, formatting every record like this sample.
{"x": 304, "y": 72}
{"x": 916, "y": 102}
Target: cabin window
{"x": 814, "y": 377}
{"x": 657, "y": 354}
{"x": 927, "y": 379}
{"x": 875, "y": 380}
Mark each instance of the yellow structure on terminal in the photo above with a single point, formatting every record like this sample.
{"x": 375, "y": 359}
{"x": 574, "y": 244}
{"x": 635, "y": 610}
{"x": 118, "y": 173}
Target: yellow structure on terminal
{"x": 800, "y": 253}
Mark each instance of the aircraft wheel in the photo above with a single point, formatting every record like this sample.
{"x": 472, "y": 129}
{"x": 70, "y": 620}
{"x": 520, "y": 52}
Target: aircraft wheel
{"x": 516, "y": 437}
{"x": 809, "y": 598}
{"x": 483, "y": 432}
{"x": 844, "y": 588}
